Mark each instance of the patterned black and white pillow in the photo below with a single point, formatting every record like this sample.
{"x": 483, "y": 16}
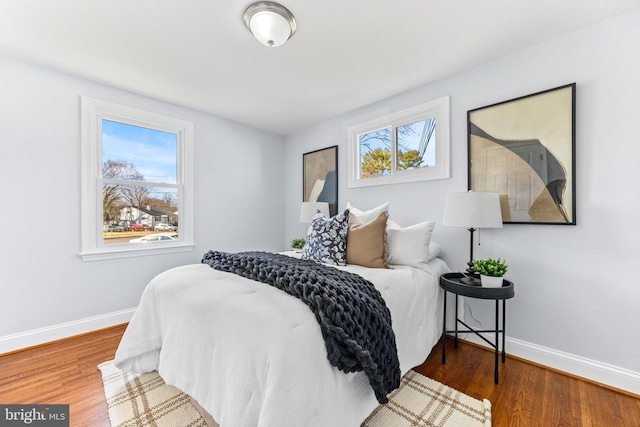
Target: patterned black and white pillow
{"x": 327, "y": 239}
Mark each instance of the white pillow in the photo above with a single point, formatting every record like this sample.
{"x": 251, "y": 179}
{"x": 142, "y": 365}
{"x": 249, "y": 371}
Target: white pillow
{"x": 434, "y": 250}
{"x": 366, "y": 217}
{"x": 409, "y": 245}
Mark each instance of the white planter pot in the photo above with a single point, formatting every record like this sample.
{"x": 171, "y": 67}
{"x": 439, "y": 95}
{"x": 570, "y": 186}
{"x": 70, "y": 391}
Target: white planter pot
{"x": 491, "y": 281}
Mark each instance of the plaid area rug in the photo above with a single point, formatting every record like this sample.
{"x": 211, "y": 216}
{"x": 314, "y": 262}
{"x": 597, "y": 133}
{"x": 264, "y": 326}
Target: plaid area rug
{"x": 423, "y": 402}
{"x": 145, "y": 400}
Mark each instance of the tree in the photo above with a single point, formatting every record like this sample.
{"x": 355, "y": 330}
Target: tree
{"x": 134, "y": 195}
{"x": 409, "y": 159}
{"x": 168, "y": 200}
{"x": 376, "y": 162}
{"x": 383, "y": 136}
{"x": 117, "y": 195}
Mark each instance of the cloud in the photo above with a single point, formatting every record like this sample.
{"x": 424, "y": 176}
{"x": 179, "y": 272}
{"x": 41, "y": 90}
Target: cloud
{"x": 152, "y": 152}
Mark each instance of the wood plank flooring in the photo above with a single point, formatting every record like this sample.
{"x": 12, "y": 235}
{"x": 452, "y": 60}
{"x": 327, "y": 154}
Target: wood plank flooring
{"x": 64, "y": 372}
{"x": 528, "y": 395}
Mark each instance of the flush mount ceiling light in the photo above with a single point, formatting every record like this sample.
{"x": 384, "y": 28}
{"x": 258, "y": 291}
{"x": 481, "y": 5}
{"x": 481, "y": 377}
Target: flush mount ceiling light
{"x": 270, "y": 23}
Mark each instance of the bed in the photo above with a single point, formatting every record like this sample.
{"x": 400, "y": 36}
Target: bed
{"x": 252, "y": 355}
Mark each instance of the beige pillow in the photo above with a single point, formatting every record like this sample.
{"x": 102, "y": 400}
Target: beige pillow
{"x": 367, "y": 243}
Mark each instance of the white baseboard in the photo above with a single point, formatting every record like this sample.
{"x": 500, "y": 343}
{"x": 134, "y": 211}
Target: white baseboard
{"x": 603, "y": 373}
{"x": 9, "y": 343}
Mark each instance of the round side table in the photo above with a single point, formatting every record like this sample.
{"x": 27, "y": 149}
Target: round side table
{"x": 451, "y": 282}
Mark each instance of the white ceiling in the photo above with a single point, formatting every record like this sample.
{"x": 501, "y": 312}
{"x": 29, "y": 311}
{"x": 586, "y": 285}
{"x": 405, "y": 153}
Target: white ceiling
{"x": 345, "y": 53}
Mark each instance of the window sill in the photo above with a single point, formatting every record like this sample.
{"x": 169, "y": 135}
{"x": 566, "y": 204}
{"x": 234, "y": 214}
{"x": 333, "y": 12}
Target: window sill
{"x": 128, "y": 252}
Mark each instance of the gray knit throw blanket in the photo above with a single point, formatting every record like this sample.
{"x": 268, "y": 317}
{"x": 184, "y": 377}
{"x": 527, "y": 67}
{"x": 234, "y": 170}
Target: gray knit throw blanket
{"x": 354, "y": 319}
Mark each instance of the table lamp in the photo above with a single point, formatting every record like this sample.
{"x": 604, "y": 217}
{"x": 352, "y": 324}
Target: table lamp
{"x": 474, "y": 210}
{"x": 309, "y": 209}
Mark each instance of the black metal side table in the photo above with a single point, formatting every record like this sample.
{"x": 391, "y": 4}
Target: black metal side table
{"x": 450, "y": 282}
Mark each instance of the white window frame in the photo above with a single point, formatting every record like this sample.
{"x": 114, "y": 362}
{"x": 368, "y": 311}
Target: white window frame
{"x": 439, "y": 109}
{"x": 93, "y": 111}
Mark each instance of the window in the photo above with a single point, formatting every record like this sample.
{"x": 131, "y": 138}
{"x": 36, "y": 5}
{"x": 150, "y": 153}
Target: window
{"x": 137, "y": 196}
{"x": 410, "y": 145}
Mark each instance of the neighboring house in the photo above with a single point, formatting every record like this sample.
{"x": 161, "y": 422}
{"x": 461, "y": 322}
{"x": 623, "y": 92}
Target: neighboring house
{"x": 149, "y": 215}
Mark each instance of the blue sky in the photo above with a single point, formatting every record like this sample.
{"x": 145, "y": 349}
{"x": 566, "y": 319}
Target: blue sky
{"x": 410, "y": 141}
{"x": 153, "y": 152}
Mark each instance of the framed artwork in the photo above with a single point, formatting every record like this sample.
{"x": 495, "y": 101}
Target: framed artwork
{"x": 320, "y": 177}
{"x": 524, "y": 150}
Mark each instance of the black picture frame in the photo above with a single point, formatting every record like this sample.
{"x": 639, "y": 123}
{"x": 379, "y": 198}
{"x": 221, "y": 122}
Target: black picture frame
{"x": 320, "y": 177}
{"x": 524, "y": 149}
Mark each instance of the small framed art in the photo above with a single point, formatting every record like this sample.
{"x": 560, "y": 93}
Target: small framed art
{"x": 320, "y": 177}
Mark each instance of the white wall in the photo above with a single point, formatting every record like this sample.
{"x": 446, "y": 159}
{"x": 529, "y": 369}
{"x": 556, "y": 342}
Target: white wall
{"x": 46, "y": 291}
{"x": 577, "y": 301}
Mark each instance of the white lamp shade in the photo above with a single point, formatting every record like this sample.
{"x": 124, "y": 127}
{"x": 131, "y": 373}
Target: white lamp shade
{"x": 473, "y": 209}
{"x": 309, "y": 209}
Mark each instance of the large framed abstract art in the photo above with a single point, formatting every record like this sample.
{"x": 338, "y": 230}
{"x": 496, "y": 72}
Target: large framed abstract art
{"x": 524, "y": 149}
{"x": 320, "y": 177}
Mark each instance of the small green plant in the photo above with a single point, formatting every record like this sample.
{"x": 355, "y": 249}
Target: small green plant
{"x": 297, "y": 243}
{"x": 490, "y": 267}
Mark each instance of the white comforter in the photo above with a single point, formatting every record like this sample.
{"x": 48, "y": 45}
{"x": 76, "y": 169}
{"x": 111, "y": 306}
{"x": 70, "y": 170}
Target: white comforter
{"x": 252, "y": 355}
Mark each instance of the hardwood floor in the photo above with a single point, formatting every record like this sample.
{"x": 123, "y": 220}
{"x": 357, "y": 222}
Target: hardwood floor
{"x": 530, "y": 395}
{"x": 66, "y": 372}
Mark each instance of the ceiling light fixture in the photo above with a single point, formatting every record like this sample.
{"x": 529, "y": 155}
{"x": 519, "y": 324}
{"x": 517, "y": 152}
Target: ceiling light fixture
{"x": 270, "y": 23}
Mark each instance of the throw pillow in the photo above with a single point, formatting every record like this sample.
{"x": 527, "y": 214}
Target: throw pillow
{"x": 368, "y": 216}
{"x": 434, "y": 250}
{"x": 409, "y": 245}
{"x": 327, "y": 239}
{"x": 367, "y": 243}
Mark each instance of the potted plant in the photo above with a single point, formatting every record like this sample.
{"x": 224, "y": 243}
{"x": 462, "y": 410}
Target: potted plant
{"x": 297, "y": 244}
{"x": 491, "y": 271}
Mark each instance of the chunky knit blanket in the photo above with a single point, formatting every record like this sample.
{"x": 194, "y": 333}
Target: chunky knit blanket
{"x": 353, "y": 317}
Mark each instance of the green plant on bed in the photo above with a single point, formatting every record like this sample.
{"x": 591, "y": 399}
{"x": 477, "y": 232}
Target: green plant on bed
{"x": 490, "y": 267}
{"x": 297, "y": 243}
